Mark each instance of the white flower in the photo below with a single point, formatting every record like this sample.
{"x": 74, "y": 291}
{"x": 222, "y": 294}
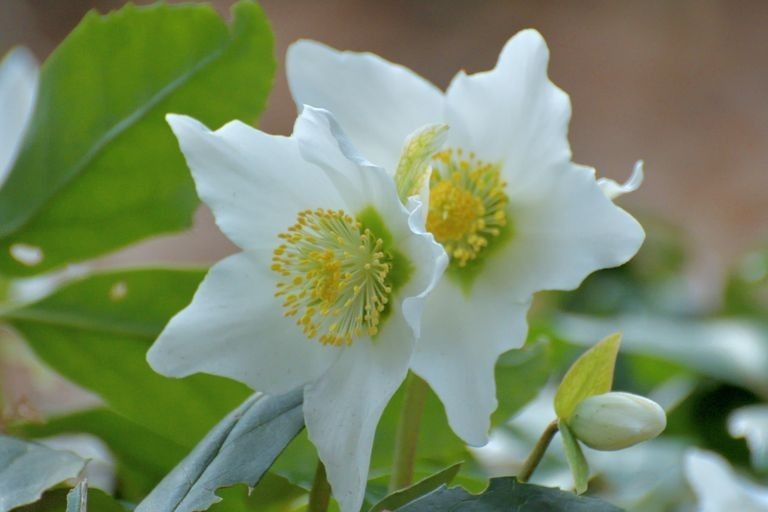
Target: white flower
{"x": 751, "y": 422}
{"x": 718, "y": 488}
{"x": 514, "y": 213}
{"x": 328, "y": 289}
{"x": 616, "y": 420}
{"x": 18, "y": 90}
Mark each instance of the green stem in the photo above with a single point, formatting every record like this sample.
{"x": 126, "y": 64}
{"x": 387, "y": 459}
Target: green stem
{"x": 320, "y": 494}
{"x": 407, "y": 436}
{"x": 530, "y": 464}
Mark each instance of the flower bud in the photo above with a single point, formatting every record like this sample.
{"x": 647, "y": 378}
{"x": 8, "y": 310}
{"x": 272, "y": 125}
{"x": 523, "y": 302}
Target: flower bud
{"x": 615, "y": 420}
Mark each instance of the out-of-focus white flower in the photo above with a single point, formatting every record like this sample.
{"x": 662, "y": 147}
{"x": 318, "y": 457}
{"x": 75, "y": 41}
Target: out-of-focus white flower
{"x": 100, "y": 469}
{"x": 718, "y": 488}
{"x": 513, "y": 212}
{"x": 327, "y": 292}
{"x": 616, "y": 420}
{"x": 751, "y": 422}
{"x": 18, "y": 90}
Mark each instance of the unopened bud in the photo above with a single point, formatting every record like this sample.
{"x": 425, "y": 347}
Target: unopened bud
{"x": 615, "y": 420}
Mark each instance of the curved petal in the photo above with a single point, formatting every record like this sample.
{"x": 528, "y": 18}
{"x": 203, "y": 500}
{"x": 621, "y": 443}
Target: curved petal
{"x": 613, "y": 190}
{"x": 377, "y": 102}
{"x": 18, "y": 89}
{"x": 512, "y": 114}
{"x": 255, "y": 183}
{"x": 718, "y": 488}
{"x": 561, "y": 234}
{"x": 343, "y": 408}
{"x": 361, "y": 184}
{"x": 462, "y": 338}
{"x": 235, "y": 328}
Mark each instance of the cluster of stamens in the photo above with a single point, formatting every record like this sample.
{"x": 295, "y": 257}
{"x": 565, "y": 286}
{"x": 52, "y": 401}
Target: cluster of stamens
{"x": 466, "y": 205}
{"x": 333, "y": 276}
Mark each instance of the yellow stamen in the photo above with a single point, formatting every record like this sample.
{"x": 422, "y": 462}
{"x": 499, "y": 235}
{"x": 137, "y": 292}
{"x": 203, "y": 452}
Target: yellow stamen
{"x": 466, "y": 205}
{"x": 333, "y": 268}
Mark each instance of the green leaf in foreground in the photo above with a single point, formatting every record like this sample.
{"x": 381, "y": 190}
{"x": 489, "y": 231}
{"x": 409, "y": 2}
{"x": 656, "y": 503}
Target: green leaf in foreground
{"x": 55, "y": 501}
{"x": 420, "y": 488}
{"x": 591, "y": 374}
{"x": 507, "y": 495}
{"x": 575, "y": 457}
{"x": 96, "y": 332}
{"x": 28, "y": 469}
{"x": 100, "y": 168}
{"x": 240, "y": 449}
{"x": 77, "y": 498}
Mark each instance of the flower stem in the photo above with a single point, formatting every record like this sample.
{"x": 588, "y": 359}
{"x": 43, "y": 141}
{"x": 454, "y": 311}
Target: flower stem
{"x": 407, "y": 436}
{"x": 530, "y": 464}
{"x": 320, "y": 494}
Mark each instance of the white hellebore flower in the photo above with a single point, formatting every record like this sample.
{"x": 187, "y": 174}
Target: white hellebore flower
{"x": 513, "y": 212}
{"x": 327, "y": 292}
{"x": 18, "y": 90}
{"x": 718, "y": 488}
{"x": 616, "y": 420}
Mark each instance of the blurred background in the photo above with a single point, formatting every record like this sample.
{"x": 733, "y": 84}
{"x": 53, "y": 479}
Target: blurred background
{"x": 679, "y": 84}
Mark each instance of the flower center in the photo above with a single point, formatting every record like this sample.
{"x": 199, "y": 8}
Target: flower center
{"x": 466, "y": 204}
{"x": 334, "y": 276}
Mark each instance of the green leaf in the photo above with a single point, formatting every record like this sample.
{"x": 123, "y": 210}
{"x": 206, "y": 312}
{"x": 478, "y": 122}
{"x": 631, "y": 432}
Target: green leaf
{"x": 96, "y": 332}
{"x": 418, "y": 489}
{"x": 240, "y": 449}
{"x": 507, "y": 495}
{"x": 520, "y": 375}
{"x": 575, "y": 457}
{"x": 77, "y": 498}
{"x": 28, "y": 469}
{"x": 100, "y": 168}
{"x": 591, "y": 374}
{"x": 56, "y": 501}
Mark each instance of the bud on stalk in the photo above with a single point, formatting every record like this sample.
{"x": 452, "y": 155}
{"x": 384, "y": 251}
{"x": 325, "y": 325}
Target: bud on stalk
{"x": 616, "y": 420}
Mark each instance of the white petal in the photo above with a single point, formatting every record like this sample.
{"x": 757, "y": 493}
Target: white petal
{"x": 561, "y": 234}
{"x": 717, "y": 487}
{"x": 461, "y": 339}
{"x": 751, "y": 422}
{"x": 343, "y": 408}
{"x": 361, "y": 184}
{"x": 255, "y": 183}
{"x": 18, "y": 89}
{"x": 512, "y": 114}
{"x": 235, "y": 328}
{"x": 613, "y": 190}
{"x": 377, "y": 102}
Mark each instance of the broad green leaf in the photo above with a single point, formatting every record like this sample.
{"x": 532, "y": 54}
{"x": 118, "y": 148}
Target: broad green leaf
{"x": 591, "y": 374}
{"x": 143, "y": 457}
{"x": 27, "y": 469}
{"x": 575, "y": 457}
{"x": 96, "y": 332}
{"x": 520, "y": 375}
{"x": 507, "y": 495}
{"x": 273, "y": 494}
{"x": 100, "y": 168}
{"x": 420, "y": 488}
{"x": 240, "y": 449}
{"x": 77, "y": 498}
{"x": 56, "y": 501}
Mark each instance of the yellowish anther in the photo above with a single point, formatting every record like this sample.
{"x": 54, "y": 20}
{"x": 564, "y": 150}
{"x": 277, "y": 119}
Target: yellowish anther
{"x": 333, "y": 268}
{"x": 467, "y": 204}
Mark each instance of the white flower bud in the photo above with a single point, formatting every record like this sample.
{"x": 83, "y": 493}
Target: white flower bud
{"x": 615, "y": 420}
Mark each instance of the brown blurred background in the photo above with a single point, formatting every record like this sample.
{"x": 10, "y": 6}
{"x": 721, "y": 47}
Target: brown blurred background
{"x": 682, "y": 84}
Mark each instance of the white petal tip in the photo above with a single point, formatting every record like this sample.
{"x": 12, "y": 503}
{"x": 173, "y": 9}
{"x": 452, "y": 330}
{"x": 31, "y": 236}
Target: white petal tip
{"x": 613, "y": 190}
